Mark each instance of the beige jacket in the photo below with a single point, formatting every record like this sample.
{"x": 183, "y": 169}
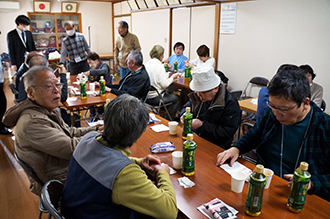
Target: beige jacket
{"x": 123, "y": 47}
{"x": 43, "y": 140}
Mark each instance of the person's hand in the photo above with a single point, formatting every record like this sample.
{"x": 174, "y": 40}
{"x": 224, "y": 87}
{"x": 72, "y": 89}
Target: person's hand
{"x": 166, "y": 61}
{"x": 87, "y": 73}
{"x": 62, "y": 69}
{"x": 101, "y": 128}
{"x": 97, "y": 84}
{"x": 186, "y": 61}
{"x": 116, "y": 67}
{"x": 181, "y": 119}
{"x": 7, "y": 64}
{"x": 175, "y": 76}
{"x": 290, "y": 177}
{"x": 148, "y": 163}
{"x": 169, "y": 66}
{"x": 107, "y": 89}
{"x": 232, "y": 154}
{"x": 162, "y": 167}
{"x": 14, "y": 67}
{"x": 196, "y": 123}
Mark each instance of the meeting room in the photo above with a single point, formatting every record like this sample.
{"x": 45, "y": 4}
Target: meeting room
{"x": 209, "y": 109}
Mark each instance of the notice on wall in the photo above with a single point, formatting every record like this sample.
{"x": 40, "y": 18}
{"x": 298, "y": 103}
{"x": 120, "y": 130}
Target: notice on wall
{"x": 228, "y": 18}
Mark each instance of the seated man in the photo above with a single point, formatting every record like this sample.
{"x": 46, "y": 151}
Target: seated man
{"x": 177, "y": 56}
{"x": 294, "y": 129}
{"x": 160, "y": 80}
{"x": 316, "y": 89}
{"x": 103, "y": 182}
{"x": 136, "y": 82}
{"x": 98, "y": 68}
{"x": 216, "y": 113}
{"x": 203, "y": 58}
{"x": 42, "y": 139}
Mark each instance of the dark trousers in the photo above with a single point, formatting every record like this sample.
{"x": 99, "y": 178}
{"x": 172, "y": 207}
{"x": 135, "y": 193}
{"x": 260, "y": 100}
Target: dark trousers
{"x": 168, "y": 97}
{"x": 76, "y": 68}
{"x": 3, "y": 105}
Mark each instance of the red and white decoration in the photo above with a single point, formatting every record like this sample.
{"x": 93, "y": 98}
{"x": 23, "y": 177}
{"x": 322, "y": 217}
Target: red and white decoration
{"x": 41, "y": 6}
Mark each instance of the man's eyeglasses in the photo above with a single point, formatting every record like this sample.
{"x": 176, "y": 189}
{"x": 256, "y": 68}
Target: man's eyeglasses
{"x": 50, "y": 88}
{"x": 282, "y": 111}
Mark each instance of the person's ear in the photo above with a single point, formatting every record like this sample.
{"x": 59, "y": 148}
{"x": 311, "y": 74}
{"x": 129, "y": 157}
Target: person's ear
{"x": 306, "y": 103}
{"x": 30, "y": 93}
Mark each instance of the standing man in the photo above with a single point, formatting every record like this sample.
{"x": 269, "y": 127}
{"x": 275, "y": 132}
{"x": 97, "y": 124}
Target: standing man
{"x": 75, "y": 46}
{"x": 20, "y": 41}
{"x": 124, "y": 44}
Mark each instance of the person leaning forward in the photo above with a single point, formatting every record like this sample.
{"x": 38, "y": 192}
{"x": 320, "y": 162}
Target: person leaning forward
{"x": 292, "y": 130}
{"x": 42, "y": 139}
{"x": 103, "y": 182}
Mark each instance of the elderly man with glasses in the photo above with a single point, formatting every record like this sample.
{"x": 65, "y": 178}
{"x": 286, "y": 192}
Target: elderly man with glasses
{"x": 292, "y": 130}
{"x": 42, "y": 139}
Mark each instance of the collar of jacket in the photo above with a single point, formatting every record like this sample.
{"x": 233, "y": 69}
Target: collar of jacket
{"x": 218, "y": 100}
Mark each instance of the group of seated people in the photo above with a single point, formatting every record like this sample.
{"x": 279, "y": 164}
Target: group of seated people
{"x": 93, "y": 162}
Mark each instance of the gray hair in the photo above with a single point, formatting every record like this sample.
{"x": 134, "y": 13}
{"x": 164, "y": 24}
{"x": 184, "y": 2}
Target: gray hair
{"x": 68, "y": 23}
{"x": 38, "y": 60}
{"x": 156, "y": 52}
{"x": 125, "y": 120}
{"x": 136, "y": 56}
{"x": 31, "y": 75}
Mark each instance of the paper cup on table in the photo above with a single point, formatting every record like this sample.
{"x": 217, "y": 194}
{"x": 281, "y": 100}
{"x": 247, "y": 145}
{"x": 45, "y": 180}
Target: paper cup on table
{"x": 177, "y": 159}
{"x": 92, "y": 86}
{"x": 68, "y": 75}
{"x": 173, "y": 127}
{"x": 237, "y": 182}
{"x": 269, "y": 174}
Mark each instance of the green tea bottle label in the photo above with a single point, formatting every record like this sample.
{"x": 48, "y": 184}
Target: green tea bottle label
{"x": 102, "y": 87}
{"x": 188, "y": 160}
{"x": 187, "y": 123}
{"x": 83, "y": 93}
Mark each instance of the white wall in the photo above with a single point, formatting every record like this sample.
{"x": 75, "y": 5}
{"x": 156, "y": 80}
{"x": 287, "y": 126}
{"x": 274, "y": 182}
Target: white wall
{"x": 273, "y": 32}
{"x": 95, "y": 14}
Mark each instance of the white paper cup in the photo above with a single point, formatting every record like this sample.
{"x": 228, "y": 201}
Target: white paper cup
{"x": 92, "y": 86}
{"x": 68, "y": 75}
{"x": 177, "y": 159}
{"x": 237, "y": 182}
{"x": 173, "y": 127}
{"x": 269, "y": 173}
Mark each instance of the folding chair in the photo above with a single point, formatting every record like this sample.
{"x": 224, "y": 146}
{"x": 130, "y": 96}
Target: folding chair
{"x": 51, "y": 197}
{"x": 156, "y": 108}
{"x": 28, "y": 170}
{"x": 258, "y": 81}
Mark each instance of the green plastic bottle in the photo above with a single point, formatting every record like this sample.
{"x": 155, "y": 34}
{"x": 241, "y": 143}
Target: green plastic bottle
{"x": 186, "y": 71}
{"x": 102, "y": 87}
{"x": 107, "y": 101}
{"x": 166, "y": 67}
{"x": 187, "y": 123}
{"x": 175, "y": 68}
{"x": 299, "y": 188}
{"x": 83, "y": 93}
{"x": 188, "y": 159}
{"x": 257, "y": 184}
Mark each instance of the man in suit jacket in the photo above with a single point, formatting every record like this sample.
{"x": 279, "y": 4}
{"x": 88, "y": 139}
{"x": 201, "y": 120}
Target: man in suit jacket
{"x": 20, "y": 41}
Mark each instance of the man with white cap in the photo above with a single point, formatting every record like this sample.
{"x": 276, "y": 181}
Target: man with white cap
{"x": 216, "y": 113}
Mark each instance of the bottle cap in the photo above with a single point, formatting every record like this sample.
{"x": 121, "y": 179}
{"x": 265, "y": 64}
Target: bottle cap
{"x": 107, "y": 101}
{"x": 190, "y": 137}
{"x": 259, "y": 168}
{"x": 188, "y": 109}
{"x": 101, "y": 77}
{"x": 304, "y": 166}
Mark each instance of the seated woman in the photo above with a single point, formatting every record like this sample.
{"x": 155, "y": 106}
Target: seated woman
{"x": 177, "y": 57}
{"x": 98, "y": 68}
{"x": 160, "y": 80}
{"x": 203, "y": 58}
{"x": 316, "y": 89}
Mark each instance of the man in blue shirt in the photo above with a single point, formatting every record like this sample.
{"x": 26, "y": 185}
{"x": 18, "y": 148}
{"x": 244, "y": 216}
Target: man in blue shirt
{"x": 292, "y": 130}
{"x": 178, "y": 57}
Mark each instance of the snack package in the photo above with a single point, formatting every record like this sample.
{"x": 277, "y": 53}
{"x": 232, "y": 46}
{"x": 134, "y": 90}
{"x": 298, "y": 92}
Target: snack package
{"x": 220, "y": 210}
{"x": 162, "y": 147}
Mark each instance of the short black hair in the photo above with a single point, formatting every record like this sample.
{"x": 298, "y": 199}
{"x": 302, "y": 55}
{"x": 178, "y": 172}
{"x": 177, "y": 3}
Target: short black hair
{"x": 93, "y": 56}
{"x": 203, "y": 51}
{"x": 307, "y": 69}
{"x": 290, "y": 83}
{"x": 22, "y": 19}
{"x": 177, "y": 44}
{"x": 124, "y": 24}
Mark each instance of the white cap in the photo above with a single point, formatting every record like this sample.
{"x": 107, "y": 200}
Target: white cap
{"x": 204, "y": 79}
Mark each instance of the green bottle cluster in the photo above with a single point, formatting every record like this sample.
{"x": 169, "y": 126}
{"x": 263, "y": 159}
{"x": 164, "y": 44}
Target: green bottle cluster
{"x": 187, "y": 123}
{"x": 299, "y": 188}
{"x": 257, "y": 184}
{"x": 102, "y": 87}
{"x": 188, "y": 159}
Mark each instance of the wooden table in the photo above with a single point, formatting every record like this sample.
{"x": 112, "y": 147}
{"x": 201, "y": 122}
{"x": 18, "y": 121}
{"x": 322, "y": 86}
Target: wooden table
{"x": 79, "y": 104}
{"x": 213, "y": 182}
{"x": 247, "y": 105}
{"x": 182, "y": 82}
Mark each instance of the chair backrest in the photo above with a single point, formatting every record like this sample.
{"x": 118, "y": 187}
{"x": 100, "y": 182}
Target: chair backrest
{"x": 51, "y": 197}
{"x": 222, "y": 76}
{"x": 323, "y": 105}
{"x": 237, "y": 94}
{"x": 29, "y": 171}
{"x": 109, "y": 78}
{"x": 261, "y": 81}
